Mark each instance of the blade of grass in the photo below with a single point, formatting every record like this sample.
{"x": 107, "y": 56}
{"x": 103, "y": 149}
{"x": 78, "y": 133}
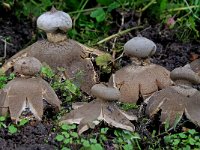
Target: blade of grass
{"x": 119, "y": 34}
{"x": 77, "y": 16}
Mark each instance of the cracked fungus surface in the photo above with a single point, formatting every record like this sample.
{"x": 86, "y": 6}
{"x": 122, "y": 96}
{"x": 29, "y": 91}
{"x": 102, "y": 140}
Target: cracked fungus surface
{"x": 134, "y": 81}
{"x": 27, "y": 92}
{"x": 173, "y": 102}
{"x": 67, "y": 54}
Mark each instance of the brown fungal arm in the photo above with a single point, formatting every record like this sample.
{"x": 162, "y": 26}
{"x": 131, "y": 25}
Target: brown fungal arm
{"x": 35, "y": 103}
{"x": 192, "y": 108}
{"x": 84, "y": 115}
{"x": 114, "y": 117}
{"x": 3, "y": 105}
{"x": 173, "y": 102}
{"x": 22, "y": 93}
{"x": 48, "y": 94}
{"x": 17, "y": 104}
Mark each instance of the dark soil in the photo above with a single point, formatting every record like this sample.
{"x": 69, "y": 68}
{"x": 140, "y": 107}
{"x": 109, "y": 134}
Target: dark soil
{"x": 17, "y": 35}
{"x": 39, "y": 136}
{"x": 34, "y": 136}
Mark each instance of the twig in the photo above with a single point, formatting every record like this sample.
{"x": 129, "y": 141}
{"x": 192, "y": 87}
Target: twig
{"x": 119, "y": 34}
{"x": 117, "y": 58}
{"x": 114, "y": 83}
{"x": 86, "y": 10}
{"x": 5, "y": 47}
{"x": 115, "y": 39}
{"x": 147, "y": 6}
{"x": 183, "y": 8}
{"x": 140, "y": 11}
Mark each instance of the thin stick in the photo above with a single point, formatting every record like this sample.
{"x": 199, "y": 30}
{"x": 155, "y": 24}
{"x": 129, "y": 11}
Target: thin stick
{"x": 141, "y": 10}
{"x": 183, "y": 8}
{"x": 147, "y": 6}
{"x": 119, "y": 34}
{"x": 115, "y": 39}
{"x": 85, "y": 10}
{"x": 117, "y": 58}
{"x": 5, "y": 47}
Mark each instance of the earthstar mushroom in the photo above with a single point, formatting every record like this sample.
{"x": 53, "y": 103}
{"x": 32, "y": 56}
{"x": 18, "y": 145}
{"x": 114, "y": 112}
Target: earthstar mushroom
{"x": 100, "y": 109}
{"x": 174, "y": 101}
{"x": 27, "y": 91}
{"x": 134, "y": 80}
{"x": 60, "y": 52}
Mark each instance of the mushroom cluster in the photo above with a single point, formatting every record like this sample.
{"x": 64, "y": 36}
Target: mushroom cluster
{"x": 142, "y": 80}
{"x": 27, "y": 91}
{"x": 174, "y": 101}
{"x": 100, "y": 109}
{"x": 60, "y": 52}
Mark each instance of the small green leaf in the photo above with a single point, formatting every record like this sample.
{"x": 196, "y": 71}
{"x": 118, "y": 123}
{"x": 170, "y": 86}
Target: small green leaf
{"x": 127, "y": 147}
{"x": 12, "y": 129}
{"x": 46, "y": 71}
{"x": 182, "y": 135}
{"x": 99, "y": 14}
{"x": 167, "y": 139}
{"x": 66, "y": 134}
{"x": 112, "y": 6}
{"x": 86, "y": 143}
{"x": 11, "y": 76}
{"x": 67, "y": 141}
{"x": 23, "y": 122}
{"x": 2, "y": 118}
{"x": 104, "y": 130}
{"x": 65, "y": 148}
{"x": 71, "y": 87}
{"x": 103, "y": 60}
{"x": 59, "y": 137}
{"x": 65, "y": 127}
{"x": 192, "y": 131}
{"x": 74, "y": 134}
{"x": 191, "y": 141}
{"x": 176, "y": 142}
{"x": 72, "y": 126}
{"x": 96, "y": 147}
{"x": 93, "y": 141}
